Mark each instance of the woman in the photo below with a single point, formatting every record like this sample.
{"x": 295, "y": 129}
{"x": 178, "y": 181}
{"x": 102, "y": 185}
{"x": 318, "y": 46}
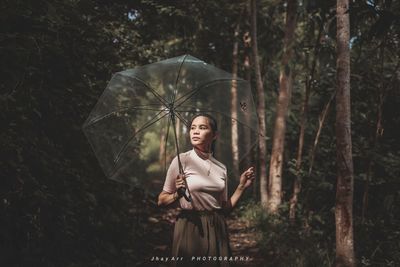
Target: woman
{"x": 200, "y": 229}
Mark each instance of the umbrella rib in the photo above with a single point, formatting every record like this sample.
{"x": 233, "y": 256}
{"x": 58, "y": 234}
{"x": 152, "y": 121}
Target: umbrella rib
{"x": 182, "y": 119}
{"x": 177, "y": 79}
{"x": 145, "y": 126}
{"x": 157, "y": 95}
{"x": 149, "y": 123}
{"x": 123, "y": 109}
{"x": 191, "y": 93}
{"x": 252, "y": 145}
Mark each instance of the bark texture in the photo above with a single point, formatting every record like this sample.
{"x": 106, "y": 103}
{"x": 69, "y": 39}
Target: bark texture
{"x": 234, "y": 100}
{"x": 260, "y": 108}
{"x": 344, "y": 191}
{"x": 282, "y": 106}
{"x": 303, "y": 122}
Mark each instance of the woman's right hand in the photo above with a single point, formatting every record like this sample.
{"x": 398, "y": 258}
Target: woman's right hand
{"x": 165, "y": 198}
{"x": 179, "y": 182}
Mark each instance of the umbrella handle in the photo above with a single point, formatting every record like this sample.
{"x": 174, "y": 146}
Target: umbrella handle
{"x": 182, "y": 192}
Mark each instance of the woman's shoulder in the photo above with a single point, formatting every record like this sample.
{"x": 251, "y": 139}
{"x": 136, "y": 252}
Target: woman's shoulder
{"x": 182, "y": 155}
{"x": 218, "y": 163}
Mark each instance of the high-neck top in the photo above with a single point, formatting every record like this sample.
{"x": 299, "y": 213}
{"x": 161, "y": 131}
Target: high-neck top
{"x": 206, "y": 179}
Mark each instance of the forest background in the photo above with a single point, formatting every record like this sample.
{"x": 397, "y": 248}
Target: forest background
{"x": 58, "y": 208}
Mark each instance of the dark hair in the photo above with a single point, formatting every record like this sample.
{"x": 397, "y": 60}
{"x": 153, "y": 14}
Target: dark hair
{"x": 213, "y": 125}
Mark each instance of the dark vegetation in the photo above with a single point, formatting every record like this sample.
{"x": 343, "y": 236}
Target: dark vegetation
{"x": 57, "y": 207}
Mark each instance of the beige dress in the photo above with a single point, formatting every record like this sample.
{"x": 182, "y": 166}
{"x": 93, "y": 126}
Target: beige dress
{"x": 200, "y": 234}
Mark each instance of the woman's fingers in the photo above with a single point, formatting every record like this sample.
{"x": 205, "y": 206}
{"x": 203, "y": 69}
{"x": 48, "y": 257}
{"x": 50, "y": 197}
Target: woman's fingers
{"x": 180, "y": 181}
{"x": 179, "y": 185}
{"x": 250, "y": 171}
{"x": 250, "y": 174}
{"x": 180, "y": 177}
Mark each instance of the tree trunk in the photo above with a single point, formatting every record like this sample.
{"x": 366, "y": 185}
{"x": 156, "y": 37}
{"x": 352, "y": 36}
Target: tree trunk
{"x": 234, "y": 100}
{"x": 161, "y": 155}
{"x": 178, "y": 129}
{"x": 321, "y": 122}
{"x": 260, "y": 109}
{"x": 304, "y": 114}
{"x": 297, "y": 180}
{"x": 250, "y": 159}
{"x": 285, "y": 88}
{"x": 345, "y": 178}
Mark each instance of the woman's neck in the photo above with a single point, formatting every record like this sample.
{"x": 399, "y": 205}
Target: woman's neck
{"x": 204, "y": 154}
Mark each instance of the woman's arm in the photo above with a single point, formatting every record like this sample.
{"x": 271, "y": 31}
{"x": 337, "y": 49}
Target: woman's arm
{"x": 246, "y": 179}
{"x": 165, "y": 198}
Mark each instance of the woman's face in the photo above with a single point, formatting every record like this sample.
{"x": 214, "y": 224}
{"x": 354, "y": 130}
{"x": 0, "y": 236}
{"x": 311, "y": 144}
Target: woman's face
{"x": 201, "y": 134}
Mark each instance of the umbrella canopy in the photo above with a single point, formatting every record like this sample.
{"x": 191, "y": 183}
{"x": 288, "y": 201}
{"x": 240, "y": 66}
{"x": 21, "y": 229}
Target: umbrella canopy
{"x": 143, "y": 114}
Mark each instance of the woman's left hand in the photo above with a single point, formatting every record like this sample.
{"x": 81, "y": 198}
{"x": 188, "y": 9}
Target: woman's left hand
{"x": 247, "y": 178}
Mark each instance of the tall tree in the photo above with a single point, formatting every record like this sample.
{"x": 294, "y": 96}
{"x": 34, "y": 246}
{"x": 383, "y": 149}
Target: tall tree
{"x": 282, "y": 105}
{"x": 321, "y": 121}
{"x": 246, "y": 38}
{"x": 345, "y": 176}
{"x": 234, "y": 100}
{"x": 260, "y": 108}
{"x": 310, "y": 75}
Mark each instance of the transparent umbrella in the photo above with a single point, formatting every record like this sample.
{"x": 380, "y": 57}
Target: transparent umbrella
{"x": 144, "y": 112}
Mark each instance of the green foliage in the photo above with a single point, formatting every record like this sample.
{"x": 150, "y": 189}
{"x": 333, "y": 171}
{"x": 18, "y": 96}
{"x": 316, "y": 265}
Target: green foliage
{"x": 305, "y": 242}
{"x": 380, "y": 241}
{"x": 58, "y": 209}
{"x": 310, "y": 239}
